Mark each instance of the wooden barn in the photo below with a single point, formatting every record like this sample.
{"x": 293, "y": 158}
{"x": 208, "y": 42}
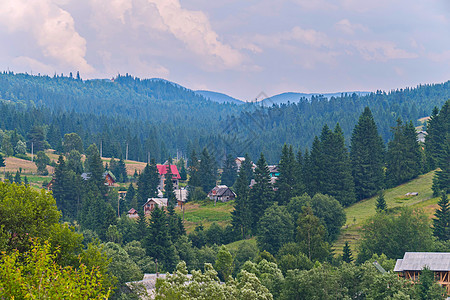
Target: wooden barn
{"x": 413, "y": 262}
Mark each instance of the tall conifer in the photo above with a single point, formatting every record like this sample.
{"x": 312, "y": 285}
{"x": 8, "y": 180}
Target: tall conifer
{"x": 367, "y": 156}
{"x": 287, "y": 179}
{"x": 441, "y": 220}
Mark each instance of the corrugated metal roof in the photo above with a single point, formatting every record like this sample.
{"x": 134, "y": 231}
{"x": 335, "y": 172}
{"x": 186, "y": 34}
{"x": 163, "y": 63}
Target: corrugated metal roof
{"x": 416, "y": 261}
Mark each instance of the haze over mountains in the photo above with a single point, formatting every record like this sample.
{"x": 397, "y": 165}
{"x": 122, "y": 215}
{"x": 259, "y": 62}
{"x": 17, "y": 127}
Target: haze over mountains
{"x": 163, "y": 118}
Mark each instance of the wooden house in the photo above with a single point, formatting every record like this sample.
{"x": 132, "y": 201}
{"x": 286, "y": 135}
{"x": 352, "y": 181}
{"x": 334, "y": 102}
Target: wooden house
{"x": 151, "y": 203}
{"x": 221, "y": 193}
{"x": 163, "y": 170}
{"x": 413, "y": 263}
{"x": 109, "y": 177}
{"x": 132, "y": 214}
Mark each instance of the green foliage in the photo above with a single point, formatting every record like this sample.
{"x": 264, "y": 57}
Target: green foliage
{"x": 2, "y": 161}
{"x": 394, "y": 235}
{"x": 207, "y": 286}
{"x": 347, "y": 253}
{"x": 148, "y": 183}
{"x": 275, "y": 228}
{"x": 325, "y": 207}
{"x": 241, "y": 215}
{"x": 41, "y": 161}
{"x": 288, "y": 178}
{"x": 367, "y": 156}
{"x": 268, "y": 273}
{"x": 311, "y": 236}
{"x": 441, "y": 220}
{"x": 224, "y": 263}
{"x": 36, "y": 274}
{"x": 229, "y": 173}
{"x": 428, "y": 289}
{"x": 381, "y": 205}
{"x": 72, "y": 141}
{"x": 403, "y": 159}
{"x": 207, "y": 171}
{"x": 121, "y": 265}
{"x": 261, "y": 194}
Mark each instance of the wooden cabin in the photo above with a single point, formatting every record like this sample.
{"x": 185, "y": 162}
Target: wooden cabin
{"x": 221, "y": 193}
{"x": 413, "y": 263}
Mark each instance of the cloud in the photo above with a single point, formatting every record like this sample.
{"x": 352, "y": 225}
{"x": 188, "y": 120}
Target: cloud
{"x": 381, "y": 50}
{"x": 347, "y": 27}
{"x": 52, "y": 28}
{"x": 194, "y": 30}
{"x": 309, "y": 37}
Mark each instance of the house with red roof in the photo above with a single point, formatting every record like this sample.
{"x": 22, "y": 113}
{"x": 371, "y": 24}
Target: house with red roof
{"x": 163, "y": 171}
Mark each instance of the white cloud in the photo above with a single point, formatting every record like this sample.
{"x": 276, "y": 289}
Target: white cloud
{"x": 52, "y": 27}
{"x": 194, "y": 29}
{"x": 309, "y": 37}
{"x": 347, "y": 27}
{"x": 381, "y": 50}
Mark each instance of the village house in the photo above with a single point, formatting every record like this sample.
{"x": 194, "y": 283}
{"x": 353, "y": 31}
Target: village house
{"x": 221, "y": 193}
{"x": 151, "y": 203}
{"x": 163, "y": 170}
{"x": 413, "y": 263}
{"x": 239, "y": 160}
{"x": 132, "y": 214}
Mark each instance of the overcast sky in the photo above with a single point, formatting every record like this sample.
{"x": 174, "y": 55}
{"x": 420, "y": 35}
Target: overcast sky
{"x": 240, "y": 48}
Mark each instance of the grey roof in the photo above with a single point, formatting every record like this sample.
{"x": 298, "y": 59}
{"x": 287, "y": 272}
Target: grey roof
{"x": 416, "y": 261}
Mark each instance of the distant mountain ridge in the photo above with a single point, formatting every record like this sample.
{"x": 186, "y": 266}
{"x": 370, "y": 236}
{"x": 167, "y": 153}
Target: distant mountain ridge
{"x": 292, "y": 97}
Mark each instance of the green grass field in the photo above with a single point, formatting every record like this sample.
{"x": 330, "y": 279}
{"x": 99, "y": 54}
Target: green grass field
{"x": 205, "y": 213}
{"x": 395, "y": 197}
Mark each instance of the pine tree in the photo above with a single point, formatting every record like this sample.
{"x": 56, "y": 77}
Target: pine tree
{"x": 131, "y": 193}
{"x": 441, "y": 221}
{"x": 2, "y": 161}
{"x": 247, "y": 164}
{"x": 148, "y": 183}
{"x": 229, "y": 173}
{"x": 433, "y": 140}
{"x": 381, "y": 205}
{"x": 367, "y": 156}
{"x": 207, "y": 171}
{"x": 347, "y": 253}
{"x": 287, "y": 180}
{"x": 176, "y": 228}
{"x": 403, "y": 155}
{"x": 441, "y": 181}
{"x": 241, "y": 215}
{"x": 59, "y": 181}
{"x": 299, "y": 187}
{"x": 25, "y": 180}
{"x": 95, "y": 168}
{"x": 194, "y": 166}
{"x": 17, "y": 178}
{"x": 312, "y": 172}
{"x": 261, "y": 195}
{"x": 336, "y": 177}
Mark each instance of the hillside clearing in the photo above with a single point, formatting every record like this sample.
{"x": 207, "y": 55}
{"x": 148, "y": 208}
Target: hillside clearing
{"x": 395, "y": 197}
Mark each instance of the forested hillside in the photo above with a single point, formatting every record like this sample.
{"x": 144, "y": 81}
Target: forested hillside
{"x": 158, "y": 118}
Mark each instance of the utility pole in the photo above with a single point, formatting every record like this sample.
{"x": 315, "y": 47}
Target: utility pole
{"x": 32, "y": 151}
{"x": 148, "y": 158}
{"x": 126, "y": 153}
{"x": 101, "y": 149}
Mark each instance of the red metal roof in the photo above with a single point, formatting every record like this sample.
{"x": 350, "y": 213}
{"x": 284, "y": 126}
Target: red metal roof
{"x": 162, "y": 169}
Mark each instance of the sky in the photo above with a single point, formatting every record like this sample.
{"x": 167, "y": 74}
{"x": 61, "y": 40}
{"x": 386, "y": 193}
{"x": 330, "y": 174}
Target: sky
{"x": 241, "y": 48}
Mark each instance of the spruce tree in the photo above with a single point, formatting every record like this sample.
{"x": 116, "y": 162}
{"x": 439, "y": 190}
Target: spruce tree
{"x": 247, "y": 164}
{"x": 2, "y": 161}
{"x": 168, "y": 187}
{"x": 229, "y": 173}
{"x": 17, "y": 178}
{"x": 312, "y": 172}
{"x": 367, "y": 156}
{"x": 261, "y": 195}
{"x": 299, "y": 186}
{"x": 336, "y": 178}
{"x": 441, "y": 220}
{"x": 193, "y": 167}
{"x": 287, "y": 180}
{"x": 59, "y": 181}
{"x": 403, "y": 160}
{"x": 207, "y": 171}
{"x": 131, "y": 192}
{"x": 241, "y": 215}
{"x": 95, "y": 168}
{"x": 25, "y": 180}
{"x": 347, "y": 253}
{"x": 148, "y": 182}
{"x": 433, "y": 139}
{"x": 381, "y": 205}
{"x": 441, "y": 181}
